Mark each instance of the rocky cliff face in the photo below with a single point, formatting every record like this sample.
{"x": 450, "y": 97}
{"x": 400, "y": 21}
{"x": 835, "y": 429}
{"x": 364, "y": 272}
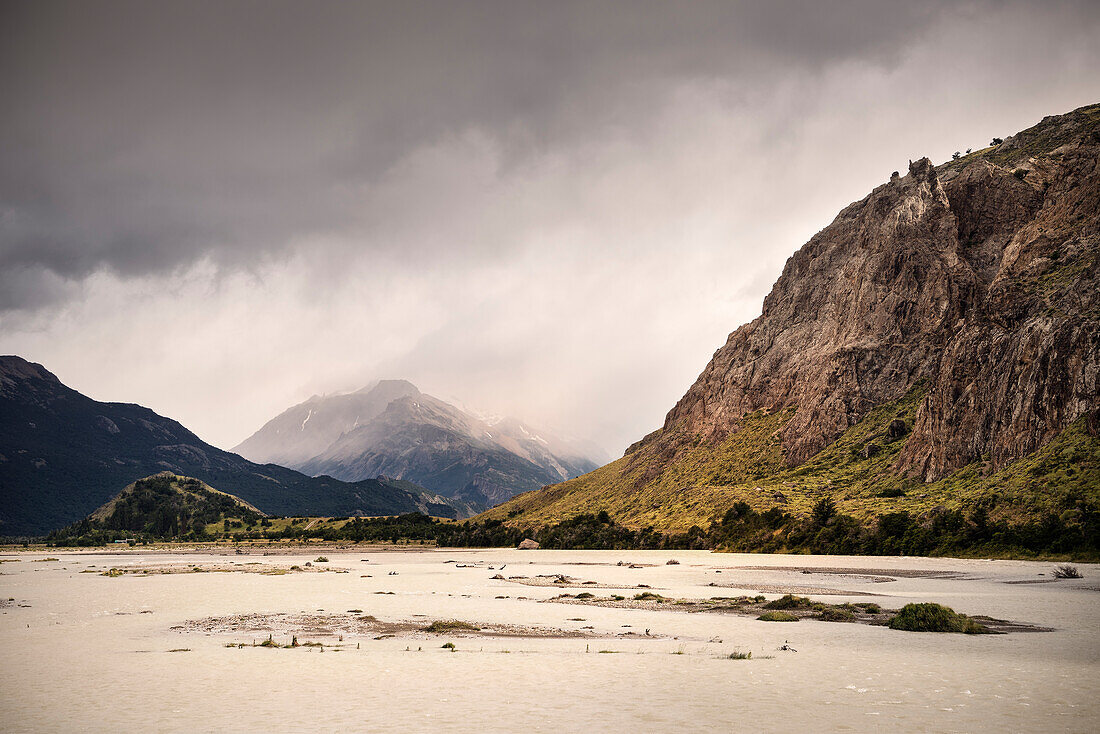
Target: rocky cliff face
{"x": 1026, "y": 361}
{"x": 979, "y": 277}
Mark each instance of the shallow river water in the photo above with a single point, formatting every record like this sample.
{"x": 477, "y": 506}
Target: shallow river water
{"x": 88, "y": 652}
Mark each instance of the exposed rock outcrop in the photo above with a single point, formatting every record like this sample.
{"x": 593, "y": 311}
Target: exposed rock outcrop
{"x": 977, "y": 277}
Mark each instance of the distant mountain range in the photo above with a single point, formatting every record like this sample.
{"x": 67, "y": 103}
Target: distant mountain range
{"x": 390, "y": 428}
{"x": 62, "y": 455}
{"x": 935, "y": 349}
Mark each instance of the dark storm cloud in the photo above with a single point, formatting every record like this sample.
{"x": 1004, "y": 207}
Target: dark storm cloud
{"x": 142, "y": 136}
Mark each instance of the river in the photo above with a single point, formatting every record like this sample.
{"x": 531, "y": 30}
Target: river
{"x": 82, "y": 651}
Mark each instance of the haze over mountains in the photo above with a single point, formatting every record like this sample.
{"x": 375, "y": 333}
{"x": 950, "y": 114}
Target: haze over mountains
{"x": 62, "y": 455}
{"x": 936, "y": 347}
{"x": 390, "y": 428}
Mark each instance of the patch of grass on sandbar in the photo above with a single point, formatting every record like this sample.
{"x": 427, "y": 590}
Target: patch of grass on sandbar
{"x": 450, "y": 625}
{"x": 648, "y": 596}
{"x": 778, "y": 616}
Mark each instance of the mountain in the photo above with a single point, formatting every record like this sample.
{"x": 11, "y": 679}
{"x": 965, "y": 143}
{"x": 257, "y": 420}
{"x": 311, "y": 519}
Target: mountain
{"x": 164, "y": 505}
{"x": 391, "y": 428}
{"x": 937, "y": 346}
{"x": 63, "y": 454}
{"x": 298, "y": 434}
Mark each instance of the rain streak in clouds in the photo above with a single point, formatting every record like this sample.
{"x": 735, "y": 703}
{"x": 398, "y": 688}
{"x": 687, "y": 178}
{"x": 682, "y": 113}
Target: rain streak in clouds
{"x": 551, "y": 210}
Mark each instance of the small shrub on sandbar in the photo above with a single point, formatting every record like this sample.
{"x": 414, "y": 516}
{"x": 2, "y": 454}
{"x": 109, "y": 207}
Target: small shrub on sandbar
{"x": 788, "y": 601}
{"x": 1066, "y": 571}
{"x": 930, "y": 617}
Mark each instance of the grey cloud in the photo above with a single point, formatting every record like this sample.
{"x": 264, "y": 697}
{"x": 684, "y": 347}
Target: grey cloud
{"x": 142, "y": 136}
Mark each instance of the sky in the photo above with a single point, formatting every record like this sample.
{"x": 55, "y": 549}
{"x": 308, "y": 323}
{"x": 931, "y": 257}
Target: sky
{"x": 552, "y": 210}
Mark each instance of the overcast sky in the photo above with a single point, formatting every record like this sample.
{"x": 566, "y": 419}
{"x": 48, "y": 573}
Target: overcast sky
{"x": 553, "y": 210}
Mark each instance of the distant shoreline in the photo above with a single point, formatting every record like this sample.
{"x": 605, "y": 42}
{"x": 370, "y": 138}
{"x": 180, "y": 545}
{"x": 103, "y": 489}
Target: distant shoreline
{"x": 274, "y": 549}
{"x": 278, "y": 548}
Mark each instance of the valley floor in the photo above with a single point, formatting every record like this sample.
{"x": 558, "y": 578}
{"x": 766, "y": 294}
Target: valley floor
{"x": 375, "y": 639}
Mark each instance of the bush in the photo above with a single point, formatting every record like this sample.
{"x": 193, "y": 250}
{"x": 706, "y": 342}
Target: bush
{"x": 931, "y": 617}
{"x": 648, "y": 596}
{"x": 1066, "y": 571}
{"x": 837, "y": 614}
{"x": 777, "y": 617}
{"x": 892, "y": 492}
{"x": 321, "y": 559}
{"x": 1020, "y": 173}
{"x": 788, "y": 602}
{"x": 870, "y": 607}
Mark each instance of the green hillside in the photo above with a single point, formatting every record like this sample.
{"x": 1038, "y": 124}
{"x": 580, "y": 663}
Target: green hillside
{"x": 162, "y": 506}
{"x": 701, "y": 482}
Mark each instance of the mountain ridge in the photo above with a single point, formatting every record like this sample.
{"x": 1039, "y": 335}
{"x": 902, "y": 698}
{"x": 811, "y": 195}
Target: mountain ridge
{"x": 964, "y": 294}
{"x": 409, "y": 434}
{"x": 64, "y": 454}
{"x": 284, "y": 439}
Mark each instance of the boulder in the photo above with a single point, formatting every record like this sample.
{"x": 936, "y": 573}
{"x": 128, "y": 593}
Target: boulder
{"x": 528, "y": 544}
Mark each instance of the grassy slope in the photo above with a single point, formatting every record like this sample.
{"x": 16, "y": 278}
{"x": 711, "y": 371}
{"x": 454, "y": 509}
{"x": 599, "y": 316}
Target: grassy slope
{"x": 1037, "y": 140}
{"x": 702, "y": 482}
